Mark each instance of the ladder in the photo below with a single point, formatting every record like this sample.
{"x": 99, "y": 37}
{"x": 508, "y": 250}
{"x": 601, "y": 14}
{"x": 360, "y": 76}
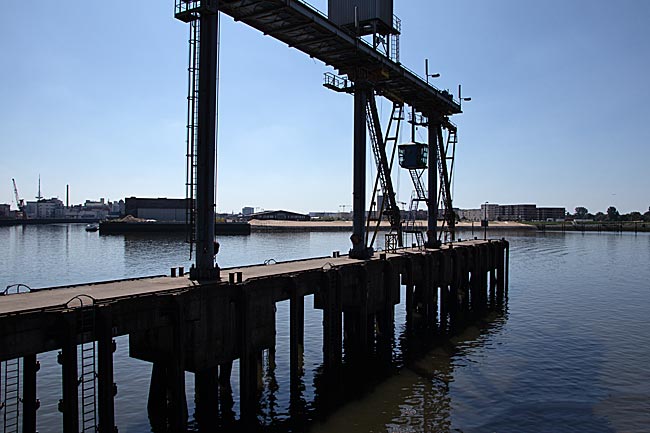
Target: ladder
{"x": 87, "y": 363}
{"x": 389, "y": 204}
{"x": 394, "y": 40}
{"x": 192, "y": 131}
{"x": 12, "y": 400}
{"x": 411, "y": 225}
{"x": 419, "y": 195}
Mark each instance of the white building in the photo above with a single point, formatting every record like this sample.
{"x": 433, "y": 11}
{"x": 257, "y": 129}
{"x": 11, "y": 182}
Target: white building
{"x": 45, "y": 209}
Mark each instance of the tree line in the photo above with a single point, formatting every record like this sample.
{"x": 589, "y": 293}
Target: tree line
{"x": 612, "y": 214}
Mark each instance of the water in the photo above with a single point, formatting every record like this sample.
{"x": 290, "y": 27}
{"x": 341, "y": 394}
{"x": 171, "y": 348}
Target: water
{"x": 569, "y": 354}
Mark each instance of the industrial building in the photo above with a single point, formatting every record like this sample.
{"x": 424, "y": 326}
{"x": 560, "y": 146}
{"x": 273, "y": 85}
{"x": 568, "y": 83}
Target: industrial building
{"x": 159, "y": 209}
{"x": 280, "y": 215}
{"x": 513, "y": 212}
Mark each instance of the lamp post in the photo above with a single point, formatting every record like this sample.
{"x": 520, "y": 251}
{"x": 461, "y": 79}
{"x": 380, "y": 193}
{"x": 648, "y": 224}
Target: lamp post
{"x": 426, "y": 71}
{"x": 460, "y": 97}
{"x": 485, "y": 222}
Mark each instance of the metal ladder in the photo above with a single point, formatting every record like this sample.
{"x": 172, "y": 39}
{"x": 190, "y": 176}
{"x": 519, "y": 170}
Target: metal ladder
{"x": 389, "y": 205}
{"x": 10, "y": 404}
{"x": 394, "y": 39}
{"x": 12, "y": 400}
{"x": 419, "y": 195}
{"x": 87, "y": 363}
{"x": 192, "y": 130}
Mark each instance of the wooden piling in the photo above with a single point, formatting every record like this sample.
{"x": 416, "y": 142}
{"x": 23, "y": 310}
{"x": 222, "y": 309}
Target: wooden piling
{"x": 105, "y": 346}
{"x": 206, "y": 389}
{"x": 176, "y": 370}
{"x": 332, "y": 321}
{"x": 296, "y": 336}
{"x": 70, "y": 401}
{"x": 30, "y": 402}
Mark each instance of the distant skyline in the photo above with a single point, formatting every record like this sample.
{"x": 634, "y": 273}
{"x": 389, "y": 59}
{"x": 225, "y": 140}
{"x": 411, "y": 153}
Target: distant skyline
{"x": 94, "y": 97}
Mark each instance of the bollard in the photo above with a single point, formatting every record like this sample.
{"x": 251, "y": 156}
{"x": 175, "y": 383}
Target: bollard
{"x": 181, "y": 271}
{"x": 382, "y": 256}
{"x": 231, "y": 277}
{"x": 240, "y": 276}
{"x": 173, "y": 272}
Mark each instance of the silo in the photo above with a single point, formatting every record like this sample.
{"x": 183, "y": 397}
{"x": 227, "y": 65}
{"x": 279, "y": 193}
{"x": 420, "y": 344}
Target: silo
{"x": 368, "y": 16}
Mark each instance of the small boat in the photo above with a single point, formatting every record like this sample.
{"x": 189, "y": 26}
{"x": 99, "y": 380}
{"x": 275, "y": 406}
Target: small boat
{"x": 92, "y": 227}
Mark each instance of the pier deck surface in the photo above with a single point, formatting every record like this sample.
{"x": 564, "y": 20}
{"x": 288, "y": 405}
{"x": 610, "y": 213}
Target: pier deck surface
{"x": 58, "y": 297}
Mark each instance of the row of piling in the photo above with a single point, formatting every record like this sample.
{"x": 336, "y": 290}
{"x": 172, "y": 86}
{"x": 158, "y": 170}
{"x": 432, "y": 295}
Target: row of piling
{"x": 205, "y": 329}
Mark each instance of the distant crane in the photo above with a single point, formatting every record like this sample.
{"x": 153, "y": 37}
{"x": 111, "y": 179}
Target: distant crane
{"x": 19, "y": 201}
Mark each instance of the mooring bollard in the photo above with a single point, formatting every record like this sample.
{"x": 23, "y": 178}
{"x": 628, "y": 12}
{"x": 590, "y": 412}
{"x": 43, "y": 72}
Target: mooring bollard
{"x": 173, "y": 272}
{"x": 240, "y": 276}
{"x": 231, "y": 277}
{"x": 181, "y": 271}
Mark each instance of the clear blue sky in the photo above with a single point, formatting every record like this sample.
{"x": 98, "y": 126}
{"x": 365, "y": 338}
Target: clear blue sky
{"x": 92, "y": 94}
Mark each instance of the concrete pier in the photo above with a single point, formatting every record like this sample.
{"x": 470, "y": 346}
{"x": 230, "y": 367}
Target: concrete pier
{"x": 182, "y": 326}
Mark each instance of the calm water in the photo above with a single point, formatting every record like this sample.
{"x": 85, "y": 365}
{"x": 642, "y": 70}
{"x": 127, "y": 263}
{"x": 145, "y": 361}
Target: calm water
{"x": 570, "y": 353}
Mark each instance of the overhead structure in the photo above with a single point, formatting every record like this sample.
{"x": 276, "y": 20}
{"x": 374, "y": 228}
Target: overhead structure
{"x": 365, "y": 68}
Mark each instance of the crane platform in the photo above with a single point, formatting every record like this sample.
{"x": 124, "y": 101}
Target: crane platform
{"x": 305, "y": 28}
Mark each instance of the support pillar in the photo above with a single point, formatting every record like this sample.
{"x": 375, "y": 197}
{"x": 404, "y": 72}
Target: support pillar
{"x": 226, "y": 401}
{"x": 358, "y": 238}
{"x": 176, "y": 372}
{"x": 409, "y": 306}
{"x": 500, "y": 274}
{"x": 296, "y": 338}
{"x": 332, "y": 323}
{"x": 206, "y": 157}
{"x": 30, "y": 402}
{"x": 157, "y": 402}
{"x": 207, "y": 397}
{"x": 105, "y": 346}
{"x": 70, "y": 403}
{"x": 432, "y": 187}
{"x": 248, "y": 363}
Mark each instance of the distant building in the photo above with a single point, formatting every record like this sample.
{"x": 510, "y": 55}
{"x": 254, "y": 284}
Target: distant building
{"x": 490, "y": 211}
{"x": 281, "y": 215}
{"x": 245, "y": 211}
{"x": 470, "y": 214}
{"x": 5, "y": 211}
{"x": 513, "y": 212}
{"x": 517, "y": 212}
{"x": 551, "y": 213}
{"x": 49, "y": 208}
{"x": 159, "y": 209}
{"x": 325, "y": 215}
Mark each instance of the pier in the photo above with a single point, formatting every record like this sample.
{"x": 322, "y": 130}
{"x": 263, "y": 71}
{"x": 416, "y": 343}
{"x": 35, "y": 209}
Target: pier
{"x": 180, "y": 325}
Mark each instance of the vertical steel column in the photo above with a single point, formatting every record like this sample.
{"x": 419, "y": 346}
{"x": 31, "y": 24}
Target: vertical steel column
{"x": 105, "y": 371}
{"x": 30, "y": 402}
{"x": 206, "y": 149}
{"x": 359, "y": 250}
{"x": 432, "y": 187}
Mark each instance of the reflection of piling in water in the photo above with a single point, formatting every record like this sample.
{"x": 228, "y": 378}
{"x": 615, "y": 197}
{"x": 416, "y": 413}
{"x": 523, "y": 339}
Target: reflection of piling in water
{"x": 203, "y": 329}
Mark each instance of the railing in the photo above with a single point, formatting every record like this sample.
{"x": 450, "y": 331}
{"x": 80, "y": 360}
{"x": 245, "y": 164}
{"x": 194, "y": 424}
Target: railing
{"x": 336, "y": 82}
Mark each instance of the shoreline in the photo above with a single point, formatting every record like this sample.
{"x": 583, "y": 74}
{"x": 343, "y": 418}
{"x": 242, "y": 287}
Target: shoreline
{"x": 274, "y": 226}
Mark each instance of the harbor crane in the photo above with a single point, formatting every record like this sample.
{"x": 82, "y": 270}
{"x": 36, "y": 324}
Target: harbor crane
{"x": 19, "y": 201}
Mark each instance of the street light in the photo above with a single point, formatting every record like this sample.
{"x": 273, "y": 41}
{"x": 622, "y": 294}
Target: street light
{"x": 426, "y": 71}
{"x": 460, "y": 97}
{"x": 485, "y": 222}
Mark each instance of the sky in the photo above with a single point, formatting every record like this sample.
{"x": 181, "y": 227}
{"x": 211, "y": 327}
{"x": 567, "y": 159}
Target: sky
{"x": 93, "y": 94}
